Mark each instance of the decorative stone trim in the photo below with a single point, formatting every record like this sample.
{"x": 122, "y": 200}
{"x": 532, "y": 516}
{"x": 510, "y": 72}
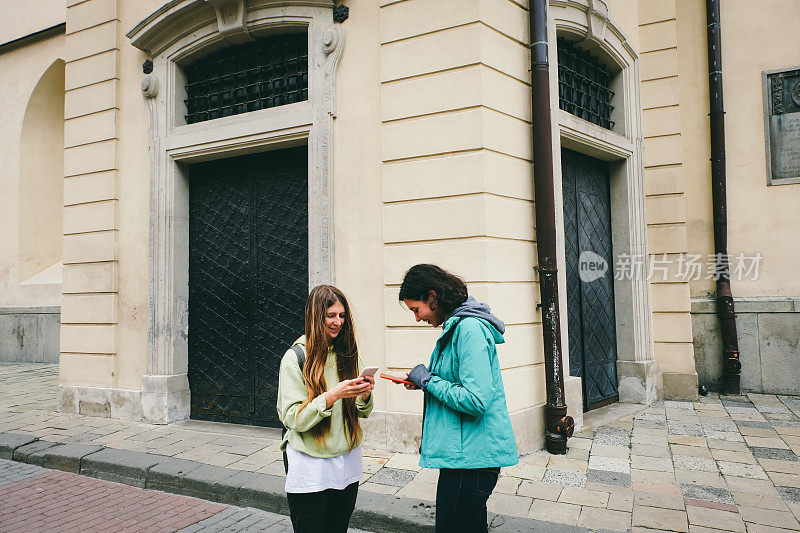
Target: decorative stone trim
{"x": 590, "y": 20}
{"x": 173, "y": 35}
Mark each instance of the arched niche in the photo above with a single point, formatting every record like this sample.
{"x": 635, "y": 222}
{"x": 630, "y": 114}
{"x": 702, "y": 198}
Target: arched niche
{"x": 41, "y": 183}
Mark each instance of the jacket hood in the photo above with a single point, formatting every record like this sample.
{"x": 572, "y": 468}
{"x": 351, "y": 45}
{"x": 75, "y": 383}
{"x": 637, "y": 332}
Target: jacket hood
{"x": 474, "y": 308}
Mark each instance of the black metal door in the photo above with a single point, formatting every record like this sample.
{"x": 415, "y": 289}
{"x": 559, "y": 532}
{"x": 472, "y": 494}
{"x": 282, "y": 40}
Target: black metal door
{"x": 248, "y": 281}
{"x": 590, "y": 278}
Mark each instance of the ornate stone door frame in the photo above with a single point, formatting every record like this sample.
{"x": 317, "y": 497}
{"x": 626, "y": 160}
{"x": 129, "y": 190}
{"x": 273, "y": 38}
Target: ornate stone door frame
{"x": 588, "y": 23}
{"x": 177, "y": 33}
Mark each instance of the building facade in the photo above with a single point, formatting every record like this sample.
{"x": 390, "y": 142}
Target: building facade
{"x": 178, "y": 174}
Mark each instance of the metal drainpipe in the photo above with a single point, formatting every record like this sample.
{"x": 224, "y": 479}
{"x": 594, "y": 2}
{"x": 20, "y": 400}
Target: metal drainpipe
{"x": 727, "y": 317}
{"x": 558, "y": 426}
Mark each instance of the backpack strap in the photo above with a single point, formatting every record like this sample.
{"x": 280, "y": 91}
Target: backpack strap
{"x": 301, "y": 362}
{"x": 301, "y": 355}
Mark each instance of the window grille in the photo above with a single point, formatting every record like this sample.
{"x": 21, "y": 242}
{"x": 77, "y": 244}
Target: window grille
{"x": 583, "y": 85}
{"x": 264, "y": 73}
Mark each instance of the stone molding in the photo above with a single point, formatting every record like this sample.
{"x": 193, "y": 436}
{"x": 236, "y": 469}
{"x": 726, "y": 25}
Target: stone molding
{"x": 173, "y": 35}
{"x": 590, "y": 21}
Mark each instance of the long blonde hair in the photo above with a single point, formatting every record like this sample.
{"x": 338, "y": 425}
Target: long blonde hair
{"x": 344, "y": 346}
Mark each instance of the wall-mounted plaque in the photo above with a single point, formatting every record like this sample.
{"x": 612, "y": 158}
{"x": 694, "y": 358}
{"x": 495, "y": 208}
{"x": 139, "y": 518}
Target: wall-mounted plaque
{"x": 782, "y": 125}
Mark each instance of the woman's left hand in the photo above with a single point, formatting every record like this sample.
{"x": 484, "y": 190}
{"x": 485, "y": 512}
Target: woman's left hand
{"x": 371, "y": 381}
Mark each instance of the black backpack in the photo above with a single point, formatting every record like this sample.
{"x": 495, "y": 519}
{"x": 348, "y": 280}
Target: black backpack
{"x": 301, "y": 361}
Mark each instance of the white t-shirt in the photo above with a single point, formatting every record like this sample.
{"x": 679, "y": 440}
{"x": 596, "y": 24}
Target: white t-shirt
{"x": 315, "y": 474}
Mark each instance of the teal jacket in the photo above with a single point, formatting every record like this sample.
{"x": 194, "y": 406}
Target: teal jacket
{"x": 465, "y": 422}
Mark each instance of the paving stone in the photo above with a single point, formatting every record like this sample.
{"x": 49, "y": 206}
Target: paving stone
{"x": 524, "y": 471}
{"x": 404, "y": 461}
{"x": 506, "y": 504}
{"x": 651, "y": 417}
{"x": 424, "y": 491}
{"x": 765, "y": 442}
{"x": 702, "y": 464}
{"x": 392, "y": 476}
{"x": 659, "y": 518}
{"x": 666, "y": 501}
{"x": 505, "y": 484}
{"x": 707, "y": 493}
{"x": 790, "y": 494}
{"x": 564, "y": 464}
{"x": 605, "y": 450}
{"x": 759, "y": 500}
{"x": 641, "y": 462}
{"x": 612, "y": 439}
{"x": 652, "y": 477}
{"x": 770, "y": 517}
{"x": 571, "y": 479}
{"x": 583, "y": 444}
{"x": 539, "y": 490}
{"x": 734, "y": 456}
{"x": 604, "y": 519}
{"x": 741, "y": 470}
{"x": 784, "y": 480}
{"x": 759, "y": 432}
{"x": 581, "y": 496}
{"x": 606, "y": 477}
{"x": 381, "y": 489}
{"x": 786, "y": 467}
{"x": 753, "y": 424}
{"x": 710, "y": 479}
{"x": 650, "y": 450}
{"x": 757, "y": 486}
{"x": 428, "y": 475}
{"x": 12, "y": 471}
{"x": 620, "y": 502}
{"x": 683, "y": 406}
{"x": 718, "y": 424}
{"x": 692, "y": 429}
{"x": 720, "y": 444}
{"x": 779, "y": 454}
{"x": 563, "y": 513}
{"x": 576, "y": 453}
{"x": 612, "y": 464}
{"x": 703, "y": 516}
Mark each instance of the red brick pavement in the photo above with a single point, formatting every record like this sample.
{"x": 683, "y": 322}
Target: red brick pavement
{"x": 59, "y": 501}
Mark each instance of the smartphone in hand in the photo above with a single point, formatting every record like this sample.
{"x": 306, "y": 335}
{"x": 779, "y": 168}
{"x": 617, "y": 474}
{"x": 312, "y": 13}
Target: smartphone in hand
{"x": 396, "y": 379}
{"x": 369, "y": 371}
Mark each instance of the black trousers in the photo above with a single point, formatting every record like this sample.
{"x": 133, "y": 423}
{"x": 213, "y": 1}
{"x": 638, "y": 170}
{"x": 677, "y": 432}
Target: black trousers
{"x": 461, "y": 499}
{"x": 327, "y": 511}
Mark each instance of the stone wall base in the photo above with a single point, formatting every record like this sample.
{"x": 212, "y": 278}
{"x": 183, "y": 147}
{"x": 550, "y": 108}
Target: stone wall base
{"x": 680, "y": 386}
{"x": 30, "y": 334}
{"x": 639, "y": 381}
{"x": 769, "y": 343}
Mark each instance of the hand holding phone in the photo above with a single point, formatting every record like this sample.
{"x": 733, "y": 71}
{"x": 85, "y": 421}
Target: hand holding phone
{"x": 369, "y": 371}
{"x": 396, "y": 379}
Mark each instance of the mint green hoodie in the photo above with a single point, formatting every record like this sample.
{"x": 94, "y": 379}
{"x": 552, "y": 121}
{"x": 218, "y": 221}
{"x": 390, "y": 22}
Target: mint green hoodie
{"x": 292, "y": 393}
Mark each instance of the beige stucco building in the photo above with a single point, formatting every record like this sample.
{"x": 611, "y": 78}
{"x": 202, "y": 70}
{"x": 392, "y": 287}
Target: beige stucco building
{"x": 130, "y": 254}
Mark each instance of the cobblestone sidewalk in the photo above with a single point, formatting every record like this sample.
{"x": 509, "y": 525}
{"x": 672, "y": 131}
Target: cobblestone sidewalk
{"x": 721, "y": 464}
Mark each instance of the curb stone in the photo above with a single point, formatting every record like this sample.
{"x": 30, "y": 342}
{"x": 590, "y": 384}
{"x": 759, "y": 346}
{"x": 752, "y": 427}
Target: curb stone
{"x": 66, "y": 457}
{"x": 11, "y": 441}
{"x": 120, "y": 466}
{"x": 380, "y": 513}
{"x": 23, "y": 453}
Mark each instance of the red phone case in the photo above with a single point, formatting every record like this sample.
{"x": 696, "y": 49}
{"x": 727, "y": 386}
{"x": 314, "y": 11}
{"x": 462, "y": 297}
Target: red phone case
{"x": 395, "y": 379}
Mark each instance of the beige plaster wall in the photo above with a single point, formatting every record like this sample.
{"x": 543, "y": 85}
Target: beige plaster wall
{"x": 358, "y": 236}
{"x": 21, "y": 18}
{"x": 33, "y": 279}
{"x": 665, "y": 189}
{"x": 457, "y": 187}
{"x": 761, "y": 218}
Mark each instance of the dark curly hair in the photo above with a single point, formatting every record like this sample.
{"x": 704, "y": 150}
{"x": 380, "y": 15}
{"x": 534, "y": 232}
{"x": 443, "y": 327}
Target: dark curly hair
{"x": 421, "y": 279}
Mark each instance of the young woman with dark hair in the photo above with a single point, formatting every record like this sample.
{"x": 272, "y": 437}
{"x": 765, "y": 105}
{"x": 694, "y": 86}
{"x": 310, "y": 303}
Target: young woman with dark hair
{"x": 466, "y": 429}
{"x": 320, "y": 406}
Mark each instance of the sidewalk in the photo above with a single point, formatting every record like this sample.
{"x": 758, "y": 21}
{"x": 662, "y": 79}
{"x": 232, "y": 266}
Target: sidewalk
{"x": 722, "y": 464}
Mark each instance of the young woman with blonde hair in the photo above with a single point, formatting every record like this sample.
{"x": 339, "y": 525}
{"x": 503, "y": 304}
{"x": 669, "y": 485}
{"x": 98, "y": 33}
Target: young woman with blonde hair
{"x": 320, "y": 404}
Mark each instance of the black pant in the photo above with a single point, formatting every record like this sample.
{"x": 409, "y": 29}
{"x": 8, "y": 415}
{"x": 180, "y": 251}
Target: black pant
{"x": 461, "y": 499}
{"x": 320, "y": 512}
